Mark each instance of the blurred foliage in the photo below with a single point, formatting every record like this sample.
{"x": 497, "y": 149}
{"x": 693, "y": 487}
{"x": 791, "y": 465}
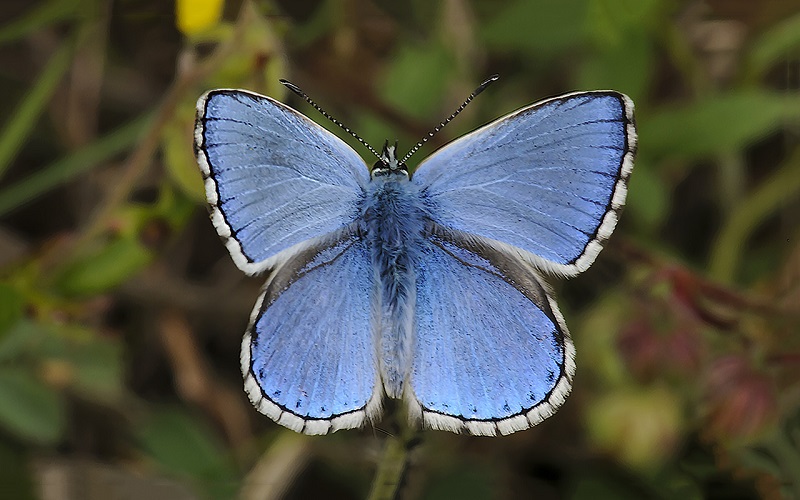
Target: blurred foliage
{"x": 121, "y": 314}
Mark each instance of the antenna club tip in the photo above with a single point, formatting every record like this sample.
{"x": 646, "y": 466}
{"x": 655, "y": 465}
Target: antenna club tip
{"x": 291, "y": 86}
{"x": 492, "y": 78}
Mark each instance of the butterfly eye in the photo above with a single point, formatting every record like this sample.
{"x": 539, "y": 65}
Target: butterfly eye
{"x": 388, "y": 163}
{"x": 380, "y": 168}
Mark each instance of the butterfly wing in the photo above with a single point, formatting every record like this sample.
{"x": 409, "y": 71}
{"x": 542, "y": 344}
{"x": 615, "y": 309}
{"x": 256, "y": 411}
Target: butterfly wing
{"x": 274, "y": 179}
{"x": 548, "y": 179}
{"x": 308, "y": 357}
{"x": 492, "y": 352}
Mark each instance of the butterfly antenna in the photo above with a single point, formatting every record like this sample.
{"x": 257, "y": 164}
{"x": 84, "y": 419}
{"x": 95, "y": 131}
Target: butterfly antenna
{"x": 439, "y": 127}
{"x": 294, "y": 88}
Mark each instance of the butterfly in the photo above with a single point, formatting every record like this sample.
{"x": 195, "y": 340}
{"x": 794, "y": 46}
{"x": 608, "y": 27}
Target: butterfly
{"x": 424, "y": 286}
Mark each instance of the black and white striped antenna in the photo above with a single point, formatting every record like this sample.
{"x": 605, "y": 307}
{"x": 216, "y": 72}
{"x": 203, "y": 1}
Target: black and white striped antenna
{"x": 294, "y": 88}
{"x": 297, "y": 90}
{"x": 441, "y": 125}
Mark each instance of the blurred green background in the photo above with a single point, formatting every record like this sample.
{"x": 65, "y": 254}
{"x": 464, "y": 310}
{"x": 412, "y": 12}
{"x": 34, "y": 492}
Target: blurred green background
{"x": 121, "y": 313}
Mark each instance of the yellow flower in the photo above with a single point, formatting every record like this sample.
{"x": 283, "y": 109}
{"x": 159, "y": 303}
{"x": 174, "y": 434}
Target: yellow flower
{"x": 196, "y": 16}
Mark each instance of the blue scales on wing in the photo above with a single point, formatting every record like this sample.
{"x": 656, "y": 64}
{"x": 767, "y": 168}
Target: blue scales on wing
{"x": 491, "y": 350}
{"x": 308, "y": 356}
{"x": 547, "y": 179}
{"x": 274, "y": 179}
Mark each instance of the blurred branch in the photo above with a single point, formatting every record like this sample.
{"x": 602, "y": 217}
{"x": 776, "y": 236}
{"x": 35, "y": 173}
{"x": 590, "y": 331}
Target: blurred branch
{"x": 22, "y": 120}
{"x": 276, "y": 470}
{"x": 195, "y": 383}
{"x": 157, "y": 286}
{"x": 87, "y": 76}
{"x": 781, "y": 188}
{"x": 705, "y": 287}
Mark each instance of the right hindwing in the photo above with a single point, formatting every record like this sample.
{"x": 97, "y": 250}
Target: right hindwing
{"x": 491, "y": 350}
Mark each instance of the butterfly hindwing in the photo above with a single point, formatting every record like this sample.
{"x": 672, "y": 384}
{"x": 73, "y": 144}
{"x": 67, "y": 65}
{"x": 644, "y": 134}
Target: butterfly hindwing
{"x": 548, "y": 179}
{"x": 491, "y": 350}
{"x": 308, "y": 357}
{"x": 274, "y": 178}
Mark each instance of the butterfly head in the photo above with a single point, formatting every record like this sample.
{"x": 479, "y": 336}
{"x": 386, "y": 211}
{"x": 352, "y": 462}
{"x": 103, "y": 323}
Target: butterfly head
{"x": 388, "y": 164}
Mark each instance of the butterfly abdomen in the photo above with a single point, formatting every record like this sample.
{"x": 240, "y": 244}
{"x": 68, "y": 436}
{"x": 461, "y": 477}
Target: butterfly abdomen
{"x": 393, "y": 225}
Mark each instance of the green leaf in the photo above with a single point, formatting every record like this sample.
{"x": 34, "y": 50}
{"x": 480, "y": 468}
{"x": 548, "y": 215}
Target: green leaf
{"x": 11, "y": 304}
{"x": 772, "y": 46}
{"x": 622, "y": 35}
{"x": 97, "y": 367}
{"x": 625, "y": 67}
{"x": 15, "y": 474}
{"x": 610, "y": 21}
{"x": 718, "y": 124}
{"x": 94, "y": 362}
{"x": 258, "y": 62}
{"x": 173, "y": 207}
{"x": 777, "y": 191}
{"x": 542, "y": 29}
{"x": 417, "y": 79}
{"x": 106, "y": 268}
{"x": 182, "y": 446}
{"x": 24, "y": 337}
{"x": 30, "y": 409}
{"x": 640, "y": 427}
{"x": 648, "y": 198}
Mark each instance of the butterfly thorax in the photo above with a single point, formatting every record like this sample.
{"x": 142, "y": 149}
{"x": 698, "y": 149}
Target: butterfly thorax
{"x": 394, "y": 223}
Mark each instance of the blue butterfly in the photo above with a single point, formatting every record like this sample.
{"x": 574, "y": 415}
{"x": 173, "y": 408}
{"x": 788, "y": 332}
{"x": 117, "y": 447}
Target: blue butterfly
{"x": 426, "y": 287}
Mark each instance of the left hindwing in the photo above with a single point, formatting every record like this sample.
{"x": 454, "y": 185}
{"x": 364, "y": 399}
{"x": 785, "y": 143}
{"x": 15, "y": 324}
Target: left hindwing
{"x": 548, "y": 179}
{"x": 308, "y": 357}
{"x": 491, "y": 350}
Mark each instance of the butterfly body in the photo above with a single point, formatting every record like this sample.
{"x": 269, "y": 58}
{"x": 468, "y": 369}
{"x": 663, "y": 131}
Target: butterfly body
{"x": 427, "y": 287}
{"x": 394, "y": 223}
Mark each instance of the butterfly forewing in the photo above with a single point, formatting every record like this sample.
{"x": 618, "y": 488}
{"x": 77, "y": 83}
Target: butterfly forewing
{"x": 274, "y": 178}
{"x": 548, "y": 179}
